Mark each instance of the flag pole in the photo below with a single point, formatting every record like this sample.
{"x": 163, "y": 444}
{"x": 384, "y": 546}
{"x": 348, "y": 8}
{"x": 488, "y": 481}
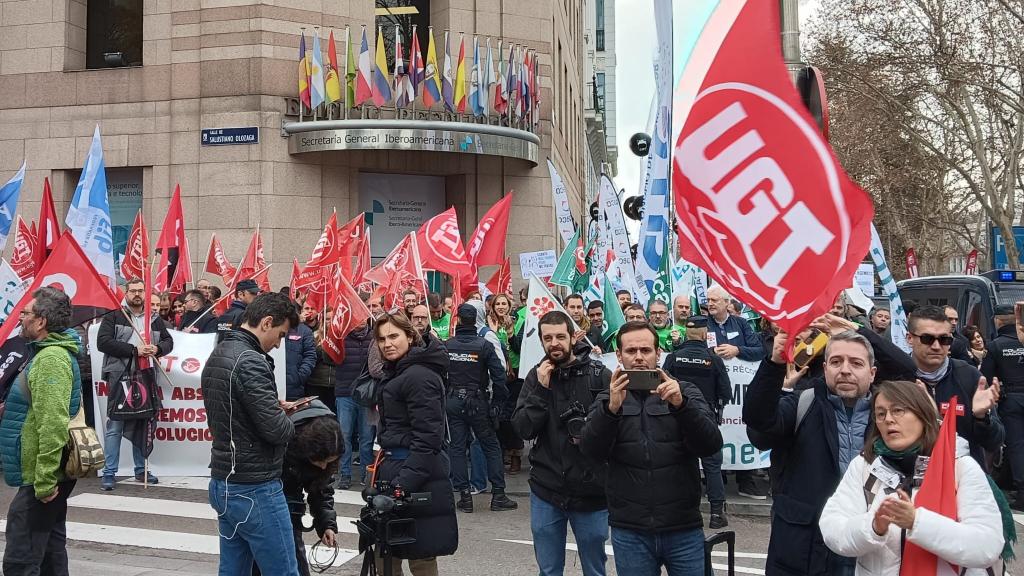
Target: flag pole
{"x": 302, "y": 60}
{"x": 189, "y": 250}
{"x": 413, "y": 59}
{"x": 316, "y": 30}
{"x": 206, "y": 260}
{"x": 348, "y": 58}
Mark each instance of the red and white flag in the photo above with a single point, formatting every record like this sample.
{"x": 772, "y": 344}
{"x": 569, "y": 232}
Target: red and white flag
{"x": 402, "y": 261}
{"x": 174, "y": 269}
{"x": 440, "y": 245}
{"x": 349, "y": 313}
{"x": 327, "y": 250}
{"x": 352, "y": 237}
{"x": 911, "y": 258}
{"x": 501, "y": 282}
{"x": 763, "y": 205}
{"x": 487, "y": 244}
{"x": 68, "y": 269}
{"x": 363, "y": 264}
{"x": 972, "y": 263}
{"x": 252, "y": 265}
{"x": 49, "y": 228}
{"x": 217, "y": 262}
{"x": 22, "y": 257}
{"x": 136, "y": 255}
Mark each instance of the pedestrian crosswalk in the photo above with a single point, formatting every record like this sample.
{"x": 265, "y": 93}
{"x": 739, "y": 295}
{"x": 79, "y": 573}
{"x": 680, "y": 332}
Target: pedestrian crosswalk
{"x": 111, "y": 518}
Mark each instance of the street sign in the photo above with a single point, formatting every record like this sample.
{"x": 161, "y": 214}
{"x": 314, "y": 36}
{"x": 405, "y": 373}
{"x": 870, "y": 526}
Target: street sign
{"x": 541, "y": 264}
{"x": 230, "y": 136}
{"x": 999, "y": 248}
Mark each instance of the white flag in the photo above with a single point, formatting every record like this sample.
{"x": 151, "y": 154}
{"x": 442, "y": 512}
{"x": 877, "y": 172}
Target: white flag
{"x": 89, "y": 214}
{"x": 898, "y": 326}
{"x": 539, "y": 302}
{"x": 560, "y": 200}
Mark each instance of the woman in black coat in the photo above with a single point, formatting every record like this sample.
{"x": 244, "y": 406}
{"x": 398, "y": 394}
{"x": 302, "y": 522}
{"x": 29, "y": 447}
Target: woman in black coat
{"x": 411, "y": 436}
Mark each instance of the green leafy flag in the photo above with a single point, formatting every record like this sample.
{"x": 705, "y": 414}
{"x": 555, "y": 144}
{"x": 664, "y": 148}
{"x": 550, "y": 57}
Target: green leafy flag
{"x": 613, "y": 318}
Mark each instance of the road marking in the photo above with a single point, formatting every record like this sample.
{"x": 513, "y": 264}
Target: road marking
{"x": 173, "y": 508}
{"x": 159, "y": 539}
{"x": 608, "y": 550}
{"x": 1019, "y": 519}
{"x": 202, "y": 483}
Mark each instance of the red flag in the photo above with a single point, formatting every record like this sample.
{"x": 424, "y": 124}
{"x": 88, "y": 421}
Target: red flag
{"x": 349, "y": 313}
{"x": 440, "y": 245}
{"x": 763, "y": 204}
{"x": 363, "y": 265}
{"x": 217, "y": 262}
{"x": 49, "y": 227}
{"x": 262, "y": 276}
{"x": 937, "y": 493}
{"x": 252, "y": 263}
{"x": 136, "y": 251}
{"x": 183, "y": 272}
{"x": 501, "y": 282}
{"x": 351, "y": 238}
{"x": 24, "y": 249}
{"x": 327, "y": 251}
{"x": 971, "y": 266}
{"x": 401, "y": 260}
{"x": 68, "y": 269}
{"x": 171, "y": 245}
{"x": 487, "y": 244}
{"x": 911, "y": 257}
{"x": 296, "y": 271}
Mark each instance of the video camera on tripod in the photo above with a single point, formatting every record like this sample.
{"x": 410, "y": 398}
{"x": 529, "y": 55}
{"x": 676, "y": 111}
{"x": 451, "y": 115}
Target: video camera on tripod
{"x": 379, "y": 526}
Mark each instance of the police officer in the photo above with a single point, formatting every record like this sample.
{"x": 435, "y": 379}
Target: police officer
{"x": 472, "y": 360}
{"x": 694, "y": 362}
{"x": 246, "y": 291}
{"x": 1005, "y": 361}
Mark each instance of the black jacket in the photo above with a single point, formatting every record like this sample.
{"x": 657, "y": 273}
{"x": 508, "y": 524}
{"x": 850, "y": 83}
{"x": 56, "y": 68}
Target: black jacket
{"x": 652, "y": 451}
{"x": 808, "y": 471}
{"x": 559, "y": 473}
{"x": 412, "y": 418}
{"x": 694, "y": 362}
{"x": 1005, "y": 360}
{"x": 357, "y": 350}
{"x": 960, "y": 349}
{"x": 206, "y": 324}
{"x": 324, "y": 372}
{"x": 473, "y": 363}
{"x": 241, "y": 402}
{"x": 113, "y": 336}
{"x": 961, "y": 380}
{"x": 231, "y": 319}
{"x": 300, "y": 356}
{"x": 301, "y": 478}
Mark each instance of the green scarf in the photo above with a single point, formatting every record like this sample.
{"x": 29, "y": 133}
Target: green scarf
{"x": 1009, "y": 527}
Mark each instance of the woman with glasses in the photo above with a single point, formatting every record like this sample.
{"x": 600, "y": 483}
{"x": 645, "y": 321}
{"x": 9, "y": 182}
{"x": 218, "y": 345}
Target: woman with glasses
{"x": 873, "y": 517}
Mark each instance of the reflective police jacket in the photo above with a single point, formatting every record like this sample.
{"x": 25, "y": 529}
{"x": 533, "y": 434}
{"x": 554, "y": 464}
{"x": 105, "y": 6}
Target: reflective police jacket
{"x": 1005, "y": 360}
{"x": 471, "y": 359}
{"x": 693, "y": 362}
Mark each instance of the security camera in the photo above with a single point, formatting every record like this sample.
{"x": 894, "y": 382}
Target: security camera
{"x": 640, "y": 144}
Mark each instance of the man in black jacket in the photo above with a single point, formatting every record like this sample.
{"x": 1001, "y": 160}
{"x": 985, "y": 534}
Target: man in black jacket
{"x": 565, "y": 486}
{"x": 652, "y": 440}
{"x": 121, "y": 343}
{"x": 198, "y": 316}
{"x": 251, "y": 431}
{"x": 1004, "y": 363}
{"x": 472, "y": 361}
{"x": 693, "y": 362}
{"x": 246, "y": 291}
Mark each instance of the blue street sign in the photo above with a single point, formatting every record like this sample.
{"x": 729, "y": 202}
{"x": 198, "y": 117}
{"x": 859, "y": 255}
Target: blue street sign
{"x": 229, "y": 136}
{"x": 999, "y": 248}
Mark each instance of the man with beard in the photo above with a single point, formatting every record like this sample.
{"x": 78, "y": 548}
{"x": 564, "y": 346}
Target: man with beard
{"x": 680, "y": 314}
{"x": 421, "y": 319}
{"x": 440, "y": 320}
{"x": 197, "y": 316}
{"x": 658, "y": 311}
{"x": 409, "y": 301}
{"x": 565, "y": 486}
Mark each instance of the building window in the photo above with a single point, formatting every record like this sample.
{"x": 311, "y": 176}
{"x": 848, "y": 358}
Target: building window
{"x": 113, "y": 33}
{"x": 599, "y": 35}
{"x": 402, "y": 15}
{"x": 599, "y": 91}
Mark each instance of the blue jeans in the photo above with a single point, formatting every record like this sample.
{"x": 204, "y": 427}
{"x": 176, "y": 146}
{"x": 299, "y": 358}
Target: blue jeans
{"x": 352, "y": 418}
{"x": 254, "y": 524}
{"x": 547, "y": 522}
{"x": 477, "y": 466}
{"x": 644, "y": 553}
{"x": 112, "y": 450}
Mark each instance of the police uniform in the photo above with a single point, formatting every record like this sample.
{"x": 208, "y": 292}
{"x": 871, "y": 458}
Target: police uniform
{"x": 1005, "y": 360}
{"x": 692, "y": 361}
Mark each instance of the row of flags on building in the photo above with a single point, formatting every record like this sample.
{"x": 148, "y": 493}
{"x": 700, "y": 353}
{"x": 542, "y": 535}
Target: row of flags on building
{"x": 504, "y": 84}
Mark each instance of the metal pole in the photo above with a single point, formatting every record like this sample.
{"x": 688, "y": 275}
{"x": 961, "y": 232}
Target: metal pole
{"x": 789, "y": 17}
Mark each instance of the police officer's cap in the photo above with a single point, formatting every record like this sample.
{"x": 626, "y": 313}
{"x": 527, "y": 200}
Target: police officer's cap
{"x": 1004, "y": 310}
{"x": 697, "y": 322}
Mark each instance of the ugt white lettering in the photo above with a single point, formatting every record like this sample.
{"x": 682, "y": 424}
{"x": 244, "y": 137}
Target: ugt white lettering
{"x": 751, "y": 183}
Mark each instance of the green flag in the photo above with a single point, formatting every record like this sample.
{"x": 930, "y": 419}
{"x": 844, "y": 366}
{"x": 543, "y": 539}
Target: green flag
{"x": 583, "y": 280}
{"x": 565, "y": 269}
{"x": 613, "y": 318}
{"x": 662, "y": 287}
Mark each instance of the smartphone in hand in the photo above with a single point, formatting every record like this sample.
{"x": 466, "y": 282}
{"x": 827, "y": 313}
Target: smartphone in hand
{"x": 644, "y": 380}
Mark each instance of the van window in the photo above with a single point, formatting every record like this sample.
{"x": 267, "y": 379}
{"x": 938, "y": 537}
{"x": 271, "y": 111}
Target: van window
{"x": 974, "y": 311}
{"x": 930, "y": 296}
{"x": 1009, "y": 292}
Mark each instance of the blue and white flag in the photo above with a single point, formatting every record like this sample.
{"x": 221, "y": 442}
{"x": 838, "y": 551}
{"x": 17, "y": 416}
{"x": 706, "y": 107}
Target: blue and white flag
{"x": 89, "y": 213}
{"x": 898, "y": 328}
{"x": 8, "y": 203}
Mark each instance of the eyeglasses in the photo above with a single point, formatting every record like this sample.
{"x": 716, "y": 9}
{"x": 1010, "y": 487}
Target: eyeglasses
{"x": 193, "y": 301}
{"x": 929, "y": 339}
{"x": 653, "y": 313}
{"x": 25, "y": 313}
{"x": 897, "y": 412}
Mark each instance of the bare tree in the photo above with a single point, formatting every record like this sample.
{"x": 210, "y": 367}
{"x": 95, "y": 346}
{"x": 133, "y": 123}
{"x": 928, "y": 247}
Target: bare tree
{"x": 940, "y": 82}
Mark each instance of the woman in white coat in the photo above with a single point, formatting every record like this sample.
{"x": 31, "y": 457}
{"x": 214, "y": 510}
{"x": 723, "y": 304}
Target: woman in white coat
{"x": 868, "y": 520}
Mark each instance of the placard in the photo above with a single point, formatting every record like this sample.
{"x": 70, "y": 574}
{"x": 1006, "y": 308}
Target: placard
{"x": 540, "y": 264}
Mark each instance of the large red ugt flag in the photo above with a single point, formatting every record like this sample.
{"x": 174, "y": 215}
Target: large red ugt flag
{"x": 763, "y": 205}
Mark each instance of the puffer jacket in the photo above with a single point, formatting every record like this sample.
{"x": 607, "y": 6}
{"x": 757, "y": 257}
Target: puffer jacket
{"x": 241, "y": 403}
{"x": 357, "y": 350}
{"x": 559, "y": 473}
{"x": 113, "y": 339}
{"x": 34, "y": 429}
{"x": 231, "y": 319}
{"x": 973, "y": 541}
{"x": 652, "y": 450}
{"x": 323, "y": 372}
{"x": 300, "y": 356}
{"x": 300, "y": 479}
{"x": 412, "y": 427}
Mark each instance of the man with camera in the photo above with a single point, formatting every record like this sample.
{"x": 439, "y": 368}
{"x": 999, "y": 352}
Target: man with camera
{"x": 651, "y": 430}
{"x": 694, "y": 362}
{"x": 565, "y": 486}
{"x": 472, "y": 360}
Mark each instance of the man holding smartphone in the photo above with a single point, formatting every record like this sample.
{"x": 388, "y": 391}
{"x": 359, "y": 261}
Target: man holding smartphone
{"x": 656, "y": 433}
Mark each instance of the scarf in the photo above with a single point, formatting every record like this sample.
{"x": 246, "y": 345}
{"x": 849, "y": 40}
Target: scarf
{"x": 934, "y": 377}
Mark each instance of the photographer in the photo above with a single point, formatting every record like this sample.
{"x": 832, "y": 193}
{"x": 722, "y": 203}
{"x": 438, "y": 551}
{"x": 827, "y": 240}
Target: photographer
{"x": 651, "y": 437}
{"x": 565, "y": 486}
{"x": 411, "y": 436}
{"x": 694, "y": 362}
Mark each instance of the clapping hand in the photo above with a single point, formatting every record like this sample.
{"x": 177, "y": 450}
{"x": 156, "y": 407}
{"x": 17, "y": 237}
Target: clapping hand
{"x": 898, "y": 510}
{"x": 985, "y": 397}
